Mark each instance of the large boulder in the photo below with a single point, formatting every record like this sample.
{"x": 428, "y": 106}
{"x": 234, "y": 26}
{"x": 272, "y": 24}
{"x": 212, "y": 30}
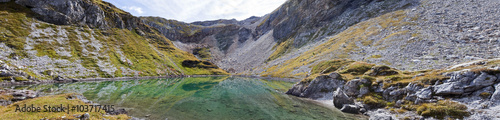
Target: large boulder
{"x": 340, "y": 99}
{"x": 321, "y": 87}
{"x": 453, "y": 88}
{"x": 353, "y": 88}
{"x": 464, "y": 82}
{"x": 481, "y": 81}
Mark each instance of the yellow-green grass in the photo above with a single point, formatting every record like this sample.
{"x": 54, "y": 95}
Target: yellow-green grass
{"x": 443, "y": 108}
{"x": 9, "y": 112}
{"x": 203, "y": 53}
{"x": 357, "y": 68}
{"x": 329, "y": 66}
{"x": 374, "y": 100}
{"x": 281, "y": 49}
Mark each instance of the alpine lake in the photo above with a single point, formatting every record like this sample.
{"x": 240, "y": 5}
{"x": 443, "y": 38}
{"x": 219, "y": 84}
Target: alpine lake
{"x": 195, "y": 98}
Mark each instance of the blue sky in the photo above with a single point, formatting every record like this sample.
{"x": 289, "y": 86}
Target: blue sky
{"x": 198, "y": 10}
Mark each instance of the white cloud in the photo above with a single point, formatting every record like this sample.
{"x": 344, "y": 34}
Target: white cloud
{"x": 136, "y": 9}
{"x": 199, "y": 10}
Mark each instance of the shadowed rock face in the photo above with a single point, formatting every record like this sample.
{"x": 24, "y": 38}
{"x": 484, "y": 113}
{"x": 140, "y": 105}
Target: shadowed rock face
{"x": 95, "y": 14}
{"x": 67, "y": 12}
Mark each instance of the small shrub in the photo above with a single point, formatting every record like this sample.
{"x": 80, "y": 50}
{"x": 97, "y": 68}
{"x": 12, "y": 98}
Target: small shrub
{"x": 485, "y": 95}
{"x": 373, "y": 101}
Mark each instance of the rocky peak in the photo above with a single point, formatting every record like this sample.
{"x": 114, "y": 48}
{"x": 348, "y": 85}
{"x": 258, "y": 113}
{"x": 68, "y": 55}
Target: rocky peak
{"x": 67, "y": 12}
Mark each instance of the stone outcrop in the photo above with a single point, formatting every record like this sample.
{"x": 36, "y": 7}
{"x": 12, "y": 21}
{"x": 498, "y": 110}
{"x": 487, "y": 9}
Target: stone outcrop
{"x": 11, "y": 95}
{"x": 464, "y": 82}
{"x": 321, "y": 87}
{"x": 67, "y": 12}
{"x": 83, "y": 12}
{"x": 477, "y": 88}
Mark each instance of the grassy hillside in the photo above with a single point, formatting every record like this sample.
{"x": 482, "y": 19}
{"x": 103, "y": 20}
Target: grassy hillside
{"x": 38, "y": 48}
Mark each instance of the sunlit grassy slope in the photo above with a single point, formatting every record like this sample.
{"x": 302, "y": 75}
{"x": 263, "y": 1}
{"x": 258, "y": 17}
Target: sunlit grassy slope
{"x": 110, "y": 52}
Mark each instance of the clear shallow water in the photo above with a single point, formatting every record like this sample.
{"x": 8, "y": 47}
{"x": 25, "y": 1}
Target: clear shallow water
{"x": 200, "y": 98}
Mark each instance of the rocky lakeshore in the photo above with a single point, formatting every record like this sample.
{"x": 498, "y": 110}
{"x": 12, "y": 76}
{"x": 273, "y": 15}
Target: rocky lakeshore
{"x": 466, "y": 91}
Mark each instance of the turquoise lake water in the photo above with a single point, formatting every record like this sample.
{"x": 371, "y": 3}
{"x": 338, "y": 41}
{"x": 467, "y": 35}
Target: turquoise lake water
{"x": 202, "y": 98}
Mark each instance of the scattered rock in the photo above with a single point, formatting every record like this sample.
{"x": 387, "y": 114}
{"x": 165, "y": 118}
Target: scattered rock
{"x": 85, "y": 116}
{"x": 449, "y": 89}
{"x": 118, "y": 112}
{"x": 59, "y": 78}
{"x": 380, "y": 114}
{"x": 354, "y": 109}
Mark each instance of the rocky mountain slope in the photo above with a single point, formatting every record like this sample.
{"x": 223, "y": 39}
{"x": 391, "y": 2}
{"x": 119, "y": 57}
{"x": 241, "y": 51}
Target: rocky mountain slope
{"x": 405, "y": 34}
{"x": 85, "y": 38}
{"x": 428, "y": 34}
{"x": 242, "y": 46}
